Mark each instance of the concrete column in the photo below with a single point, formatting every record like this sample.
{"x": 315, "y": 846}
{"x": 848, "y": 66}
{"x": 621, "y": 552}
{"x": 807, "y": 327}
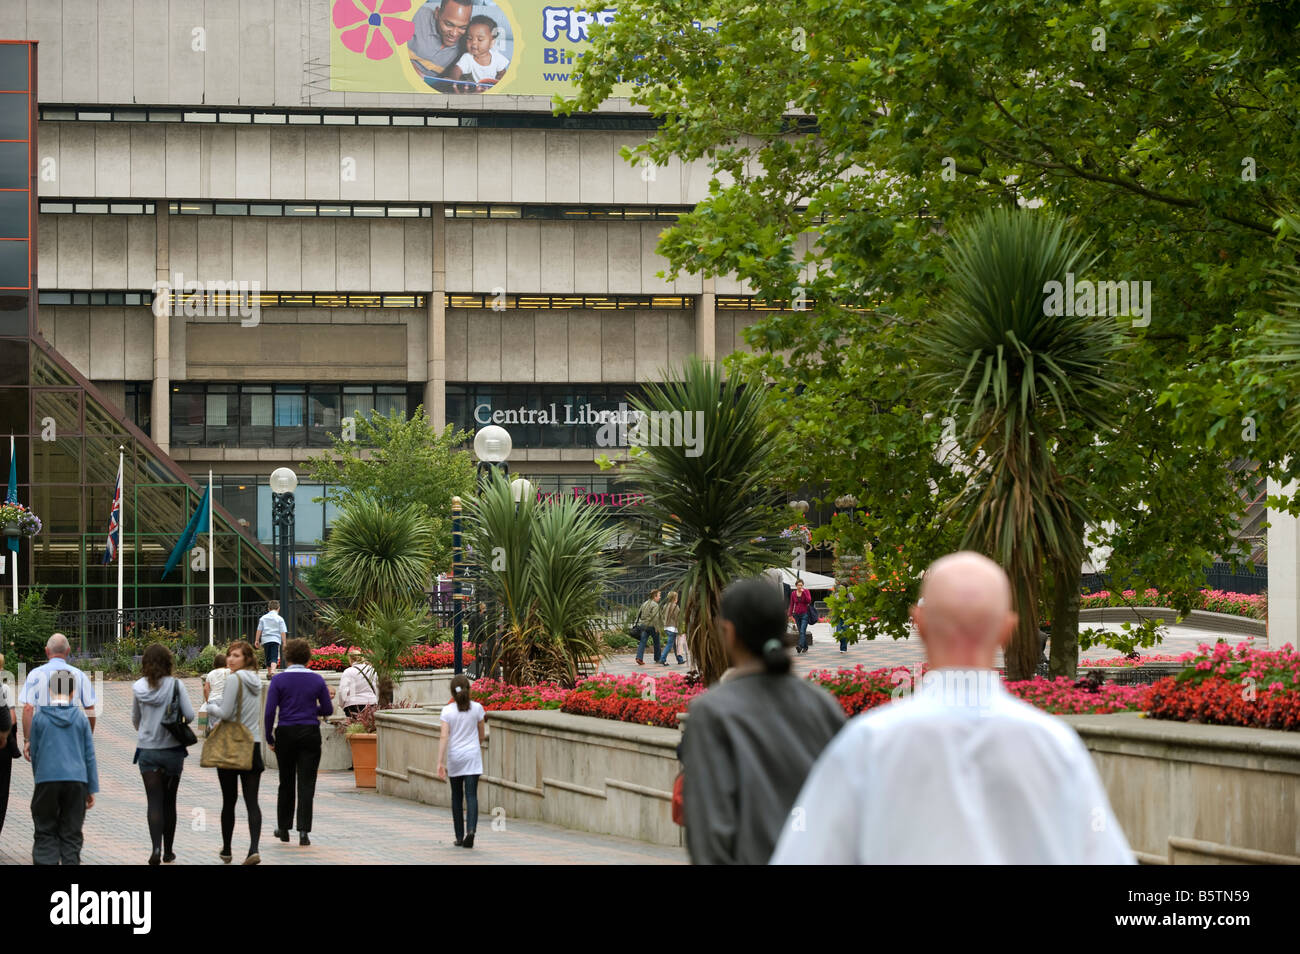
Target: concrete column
{"x": 706, "y": 331}
{"x": 1283, "y": 573}
{"x": 435, "y": 386}
{"x": 162, "y": 346}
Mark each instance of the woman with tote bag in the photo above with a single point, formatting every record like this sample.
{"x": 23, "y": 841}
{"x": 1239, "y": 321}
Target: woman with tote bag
{"x": 240, "y": 711}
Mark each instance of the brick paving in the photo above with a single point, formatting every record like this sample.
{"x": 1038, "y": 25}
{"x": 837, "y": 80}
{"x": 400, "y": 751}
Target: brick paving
{"x": 351, "y": 826}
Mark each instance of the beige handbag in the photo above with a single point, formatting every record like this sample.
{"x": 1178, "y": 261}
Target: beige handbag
{"x": 230, "y": 744}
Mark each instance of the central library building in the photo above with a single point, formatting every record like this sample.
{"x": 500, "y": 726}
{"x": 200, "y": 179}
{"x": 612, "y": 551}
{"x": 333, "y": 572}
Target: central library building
{"x": 471, "y": 253}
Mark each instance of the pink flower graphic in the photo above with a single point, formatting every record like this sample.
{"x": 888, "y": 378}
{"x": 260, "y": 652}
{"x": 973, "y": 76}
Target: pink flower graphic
{"x": 373, "y": 19}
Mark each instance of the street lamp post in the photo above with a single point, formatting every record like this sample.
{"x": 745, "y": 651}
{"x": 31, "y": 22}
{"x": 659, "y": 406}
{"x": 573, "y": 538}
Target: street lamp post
{"x": 283, "y": 483}
{"x": 492, "y": 445}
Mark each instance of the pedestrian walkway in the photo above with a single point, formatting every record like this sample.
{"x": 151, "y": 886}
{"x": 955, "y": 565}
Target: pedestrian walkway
{"x": 883, "y": 653}
{"x": 351, "y": 826}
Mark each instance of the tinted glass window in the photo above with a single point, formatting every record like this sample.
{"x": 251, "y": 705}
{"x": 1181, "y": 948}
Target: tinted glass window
{"x": 13, "y": 165}
{"x": 13, "y": 215}
{"x": 13, "y": 116}
{"x": 13, "y": 66}
{"x": 13, "y": 264}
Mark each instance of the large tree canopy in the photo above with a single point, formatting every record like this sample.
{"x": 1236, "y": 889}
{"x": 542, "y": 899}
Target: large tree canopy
{"x": 1166, "y": 133}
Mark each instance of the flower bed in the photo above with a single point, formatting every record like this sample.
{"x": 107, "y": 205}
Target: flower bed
{"x": 643, "y": 699}
{"x": 494, "y": 694}
{"x": 859, "y": 690}
{"x": 1251, "y": 605}
{"x": 1226, "y": 685}
{"x": 334, "y": 658}
{"x": 1122, "y": 662}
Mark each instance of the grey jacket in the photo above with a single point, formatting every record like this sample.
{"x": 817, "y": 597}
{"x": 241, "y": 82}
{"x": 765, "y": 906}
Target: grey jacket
{"x": 147, "y": 708}
{"x": 251, "y": 713}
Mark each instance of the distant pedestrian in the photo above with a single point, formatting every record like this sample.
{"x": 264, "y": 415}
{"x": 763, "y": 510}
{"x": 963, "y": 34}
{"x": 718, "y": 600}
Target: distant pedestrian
{"x": 460, "y": 757}
{"x": 62, "y": 751}
{"x": 800, "y": 610}
{"x": 750, "y": 741}
{"x": 646, "y": 626}
{"x": 214, "y": 685}
{"x": 8, "y": 741}
{"x": 241, "y": 700}
{"x": 961, "y": 772}
{"x": 357, "y": 685}
{"x": 302, "y": 699}
{"x": 271, "y": 630}
{"x": 160, "y": 757}
{"x": 35, "y": 691}
{"x": 669, "y": 614}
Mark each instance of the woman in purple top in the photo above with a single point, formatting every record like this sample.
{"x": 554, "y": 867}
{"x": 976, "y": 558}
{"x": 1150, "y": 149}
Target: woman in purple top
{"x": 302, "y": 699}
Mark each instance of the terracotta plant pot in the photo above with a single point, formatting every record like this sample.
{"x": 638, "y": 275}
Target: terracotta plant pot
{"x": 364, "y": 756}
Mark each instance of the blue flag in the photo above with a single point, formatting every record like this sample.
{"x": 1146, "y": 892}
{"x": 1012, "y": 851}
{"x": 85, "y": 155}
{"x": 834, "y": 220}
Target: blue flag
{"x": 11, "y": 494}
{"x": 197, "y": 524}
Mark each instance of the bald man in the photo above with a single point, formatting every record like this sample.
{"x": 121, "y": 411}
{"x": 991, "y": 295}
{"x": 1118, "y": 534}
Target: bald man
{"x": 36, "y": 690}
{"x": 961, "y": 772}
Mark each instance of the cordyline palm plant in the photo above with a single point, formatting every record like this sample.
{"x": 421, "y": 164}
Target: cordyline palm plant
{"x": 381, "y": 557}
{"x": 545, "y": 565}
{"x": 1018, "y": 381}
{"x": 1276, "y": 344}
{"x": 720, "y": 497}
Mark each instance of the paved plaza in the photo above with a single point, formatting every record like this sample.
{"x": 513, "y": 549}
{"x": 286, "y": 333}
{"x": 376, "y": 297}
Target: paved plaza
{"x": 351, "y": 826}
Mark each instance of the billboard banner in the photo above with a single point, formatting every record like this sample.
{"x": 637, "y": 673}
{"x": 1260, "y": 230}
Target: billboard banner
{"x": 512, "y": 47}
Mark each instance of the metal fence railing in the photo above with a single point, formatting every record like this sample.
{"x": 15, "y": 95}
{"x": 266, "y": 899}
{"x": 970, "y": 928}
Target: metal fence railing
{"x": 1219, "y": 576}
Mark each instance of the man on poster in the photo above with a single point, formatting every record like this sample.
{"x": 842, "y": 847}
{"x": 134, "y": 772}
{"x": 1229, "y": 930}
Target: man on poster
{"x": 438, "y": 40}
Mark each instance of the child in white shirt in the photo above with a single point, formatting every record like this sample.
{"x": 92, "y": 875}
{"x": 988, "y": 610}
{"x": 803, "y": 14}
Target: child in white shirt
{"x": 481, "y": 62}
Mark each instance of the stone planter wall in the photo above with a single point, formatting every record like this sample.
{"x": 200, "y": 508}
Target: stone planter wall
{"x": 1196, "y": 619}
{"x": 1199, "y": 794}
{"x": 588, "y": 774}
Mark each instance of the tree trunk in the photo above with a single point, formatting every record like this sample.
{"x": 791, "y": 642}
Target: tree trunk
{"x": 385, "y": 692}
{"x": 707, "y": 651}
{"x": 1065, "y": 620}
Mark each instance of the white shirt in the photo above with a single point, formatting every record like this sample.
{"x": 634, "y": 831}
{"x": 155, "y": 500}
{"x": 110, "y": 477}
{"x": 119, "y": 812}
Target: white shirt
{"x": 464, "y": 753}
{"x": 960, "y": 773}
{"x": 470, "y": 67}
{"x": 272, "y": 627}
{"x": 357, "y": 686}
{"x": 216, "y": 681}
{"x": 36, "y": 690}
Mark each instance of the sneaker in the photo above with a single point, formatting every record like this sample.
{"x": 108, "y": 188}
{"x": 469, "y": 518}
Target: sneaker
{"x": 844, "y": 650}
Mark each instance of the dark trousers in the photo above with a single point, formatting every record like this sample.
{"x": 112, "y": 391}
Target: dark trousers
{"x": 647, "y": 632}
{"x": 297, "y": 748}
{"x": 58, "y": 812}
{"x": 272, "y": 653}
{"x": 6, "y": 772}
{"x": 464, "y": 798}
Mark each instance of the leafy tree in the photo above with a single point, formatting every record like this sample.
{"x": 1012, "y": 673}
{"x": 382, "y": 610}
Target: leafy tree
{"x": 1165, "y": 131}
{"x": 23, "y": 634}
{"x": 719, "y": 496}
{"x": 397, "y": 462}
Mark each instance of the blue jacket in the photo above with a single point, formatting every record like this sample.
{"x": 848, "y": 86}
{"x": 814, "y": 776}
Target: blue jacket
{"x": 63, "y": 750}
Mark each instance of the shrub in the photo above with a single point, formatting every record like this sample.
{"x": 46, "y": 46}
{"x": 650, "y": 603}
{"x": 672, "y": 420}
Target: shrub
{"x": 25, "y": 632}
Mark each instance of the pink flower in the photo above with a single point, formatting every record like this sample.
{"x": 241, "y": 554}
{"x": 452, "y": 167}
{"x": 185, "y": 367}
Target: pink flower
{"x": 372, "y": 15}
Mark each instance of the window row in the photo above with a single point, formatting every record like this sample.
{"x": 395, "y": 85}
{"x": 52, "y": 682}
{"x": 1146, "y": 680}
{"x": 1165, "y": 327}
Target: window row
{"x": 564, "y": 213}
{"x": 279, "y": 415}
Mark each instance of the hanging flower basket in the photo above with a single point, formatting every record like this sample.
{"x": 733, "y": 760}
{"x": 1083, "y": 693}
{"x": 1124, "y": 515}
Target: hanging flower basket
{"x": 17, "y": 521}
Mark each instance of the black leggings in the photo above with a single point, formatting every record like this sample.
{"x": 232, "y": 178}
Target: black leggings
{"x": 231, "y": 780}
{"x": 464, "y": 789}
{"x": 160, "y": 792}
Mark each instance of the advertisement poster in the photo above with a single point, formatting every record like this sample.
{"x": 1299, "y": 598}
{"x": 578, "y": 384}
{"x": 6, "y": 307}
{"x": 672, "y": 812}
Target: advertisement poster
{"x": 514, "y": 47}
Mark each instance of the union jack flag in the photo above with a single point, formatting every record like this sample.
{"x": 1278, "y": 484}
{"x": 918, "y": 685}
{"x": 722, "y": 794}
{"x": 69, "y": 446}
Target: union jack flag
{"x": 114, "y": 521}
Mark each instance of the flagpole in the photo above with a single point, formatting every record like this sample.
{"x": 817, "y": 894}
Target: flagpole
{"x": 212, "y": 610}
{"x": 121, "y": 534}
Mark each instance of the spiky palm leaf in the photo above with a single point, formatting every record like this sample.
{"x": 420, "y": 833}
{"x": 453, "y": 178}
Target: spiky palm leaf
{"x": 379, "y": 554}
{"x": 1016, "y": 380}
{"x": 545, "y": 566}
{"x": 1277, "y": 341}
{"x": 722, "y": 503}
{"x": 384, "y": 632}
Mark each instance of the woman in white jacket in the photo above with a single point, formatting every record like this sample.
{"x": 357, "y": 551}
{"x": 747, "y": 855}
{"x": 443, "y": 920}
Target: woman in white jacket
{"x": 357, "y": 685}
{"x": 242, "y": 663}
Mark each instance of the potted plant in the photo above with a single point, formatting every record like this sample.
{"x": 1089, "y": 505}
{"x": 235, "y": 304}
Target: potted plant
{"x": 362, "y": 741}
{"x": 17, "y": 521}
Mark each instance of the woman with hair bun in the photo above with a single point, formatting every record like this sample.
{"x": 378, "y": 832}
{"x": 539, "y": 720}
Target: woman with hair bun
{"x": 460, "y": 755}
{"x": 750, "y": 743}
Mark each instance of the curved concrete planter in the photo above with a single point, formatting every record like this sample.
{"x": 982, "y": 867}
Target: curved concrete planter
{"x": 1196, "y": 619}
{"x": 1199, "y": 794}
{"x": 589, "y": 774}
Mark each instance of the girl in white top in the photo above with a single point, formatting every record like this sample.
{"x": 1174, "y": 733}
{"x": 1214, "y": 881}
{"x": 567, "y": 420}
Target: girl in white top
{"x": 460, "y": 755}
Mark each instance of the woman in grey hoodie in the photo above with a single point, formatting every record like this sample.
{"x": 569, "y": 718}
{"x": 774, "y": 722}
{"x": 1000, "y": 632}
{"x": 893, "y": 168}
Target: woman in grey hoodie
{"x": 160, "y": 757}
{"x": 242, "y": 663}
